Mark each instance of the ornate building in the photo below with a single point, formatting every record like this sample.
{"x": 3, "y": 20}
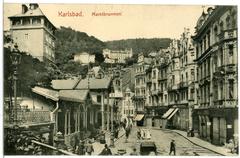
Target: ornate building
{"x": 216, "y": 49}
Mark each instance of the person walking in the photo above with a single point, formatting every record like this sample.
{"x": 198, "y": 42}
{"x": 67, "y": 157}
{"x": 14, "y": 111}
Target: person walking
{"x": 106, "y": 151}
{"x": 172, "y": 148}
{"x": 89, "y": 148}
{"x": 127, "y": 132}
{"x": 80, "y": 148}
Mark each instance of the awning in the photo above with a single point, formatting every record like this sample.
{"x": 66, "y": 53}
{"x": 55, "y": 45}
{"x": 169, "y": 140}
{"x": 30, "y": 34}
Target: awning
{"x": 139, "y": 117}
{"x": 48, "y": 93}
{"x": 168, "y": 113}
{"x": 173, "y": 113}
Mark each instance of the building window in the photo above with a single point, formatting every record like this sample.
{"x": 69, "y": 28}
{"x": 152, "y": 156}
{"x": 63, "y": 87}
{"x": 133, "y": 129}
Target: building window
{"x": 36, "y": 21}
{"x": 26, "y": 21}
{"x": 221, "y": 90}
{"x": 192, "y": 74}
{"x": 221, "y": 56}
{"x": 221, "y": 26}
{"x": 231, "y": 88}
{"x": 228, "y": 23}
{"x": 16, "y": 22}
{"x": 215, "y": 33}
{"x": 99, "y": 98}
{"x": 230, "y": 51}
{"x": 26, "y": 36}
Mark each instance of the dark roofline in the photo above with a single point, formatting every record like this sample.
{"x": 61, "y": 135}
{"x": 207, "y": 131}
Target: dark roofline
{"x": 14, "y": 16}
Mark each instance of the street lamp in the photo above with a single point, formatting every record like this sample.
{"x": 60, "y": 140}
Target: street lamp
{"x": 16, "y": 60}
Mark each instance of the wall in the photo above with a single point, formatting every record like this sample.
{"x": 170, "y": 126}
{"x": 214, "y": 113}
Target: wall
{"x": 30, "y": 41}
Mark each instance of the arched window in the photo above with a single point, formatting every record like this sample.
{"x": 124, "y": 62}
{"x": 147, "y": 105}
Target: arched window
{"x": 221, "y": 26}
{"x": 228, "y": 22}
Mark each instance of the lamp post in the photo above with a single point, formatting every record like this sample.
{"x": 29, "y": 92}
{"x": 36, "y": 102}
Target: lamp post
{"x": 16, "y": 59}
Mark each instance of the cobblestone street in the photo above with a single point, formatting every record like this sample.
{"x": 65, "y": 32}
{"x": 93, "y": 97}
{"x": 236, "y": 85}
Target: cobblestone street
{"x": 162, "y": 138}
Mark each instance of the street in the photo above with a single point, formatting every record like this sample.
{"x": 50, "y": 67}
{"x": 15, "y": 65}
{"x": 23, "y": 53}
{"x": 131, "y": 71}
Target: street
{"x": 162, "y": 139}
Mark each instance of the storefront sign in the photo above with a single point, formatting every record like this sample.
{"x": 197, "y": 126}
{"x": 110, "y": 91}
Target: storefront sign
{"x": 229, "y": 126}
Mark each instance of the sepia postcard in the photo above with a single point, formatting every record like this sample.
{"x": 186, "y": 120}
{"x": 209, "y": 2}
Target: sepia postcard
{"x": 120, "y": 79}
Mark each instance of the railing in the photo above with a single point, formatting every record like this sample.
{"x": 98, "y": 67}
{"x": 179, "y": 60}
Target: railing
{"x": 228, "y": 34}
{"x": 25, "y": 116}
{"x": 154, "y": 92}
{"x": 52, "y": 149}
{"x": 225, "y": 103}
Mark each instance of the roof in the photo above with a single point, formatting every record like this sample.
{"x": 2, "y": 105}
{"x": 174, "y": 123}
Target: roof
{"x": 73, "y": 95}
{"x": 48, "y": 93}
{"x": 94, "y": 83}
{"x": 30, "y": 12}
{"x": 64, "y": 84}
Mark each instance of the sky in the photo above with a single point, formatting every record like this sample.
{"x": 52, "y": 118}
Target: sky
{"x": 136, "y": 21}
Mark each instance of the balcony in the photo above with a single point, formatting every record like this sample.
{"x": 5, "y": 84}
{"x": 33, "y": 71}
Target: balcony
{"x": 227, "y": 34}
{"x": 154, "y": 92}
{"x": 173, "y": 87}
{"x": 225, "y": 103}
{"x": 183, "y": 85}
{"x": 116, "y": 94}
{"x": 148, "y": 80}
{"x": 225, "y": 69}
{"x": 162, "y": 77}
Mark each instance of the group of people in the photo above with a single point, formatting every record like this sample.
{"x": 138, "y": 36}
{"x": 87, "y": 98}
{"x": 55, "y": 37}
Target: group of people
{"x": 143, "y": 134}
{"x": 87, "y": 149}
{"x": 83, "y": 149}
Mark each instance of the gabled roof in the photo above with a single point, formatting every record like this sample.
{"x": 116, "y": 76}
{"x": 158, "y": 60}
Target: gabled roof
{"x": 48, "y": 93}
{"x": 64, "y": 84}
{"x": 73, "y": 95}
{"x": 94, "y": 83}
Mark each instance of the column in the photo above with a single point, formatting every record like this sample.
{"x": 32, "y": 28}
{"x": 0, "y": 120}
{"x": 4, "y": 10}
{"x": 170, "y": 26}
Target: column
{"x": 65, "y": 125}
{"x": 108, "y": 107}
{"x": 86, "y": 116}
{"x": 102, "y": 111}
{"x": 76, "y": 120}
{"x": 56, "y": 122}
{"x": 96, "y": 116}
{"x": 69, "y": 125}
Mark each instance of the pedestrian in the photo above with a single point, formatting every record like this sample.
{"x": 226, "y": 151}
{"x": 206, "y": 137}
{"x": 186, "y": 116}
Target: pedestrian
{"x": 89, "y": 148}
{"x": 106, "y": 151}
{"x": 127, "y": 133}
{"x": 134, "y": 152}
{"x": 172, "y": 147}
{"x": 116, "y": 133}
{"x": 80, "y": 148}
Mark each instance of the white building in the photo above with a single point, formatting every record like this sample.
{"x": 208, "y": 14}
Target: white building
{"x": 84, "y": 58}
{"x": 117, "y": 56}
{"x": 128, "y": 109}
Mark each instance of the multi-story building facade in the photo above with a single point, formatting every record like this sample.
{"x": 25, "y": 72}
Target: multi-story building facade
{"x": 33, "y": 32}
{"x": 157, "y": 95}
{"x": 117, "y": 56}
{"x": 216, "y": 50}
{"x": 127, "y": 108}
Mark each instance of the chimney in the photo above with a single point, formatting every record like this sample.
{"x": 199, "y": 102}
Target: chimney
{"x": 24, "y": 8}
{"x": 209, "y": 10}
{"x": 33, "y": 6}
